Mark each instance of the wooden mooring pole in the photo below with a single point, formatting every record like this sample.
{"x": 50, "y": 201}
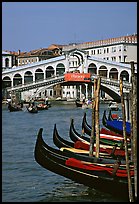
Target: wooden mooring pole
{"x": 97, "y": 125}
{"x": 92, "y": 137}
{"x": 130, "y": 190}
{"x": 134, "y": 124}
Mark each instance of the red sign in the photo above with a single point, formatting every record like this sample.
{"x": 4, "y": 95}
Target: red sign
{"x": 83, "y": 77}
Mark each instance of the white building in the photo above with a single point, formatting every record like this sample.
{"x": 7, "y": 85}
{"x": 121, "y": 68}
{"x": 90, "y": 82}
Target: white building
{"x": 121, "y": 49}
{"x": 7, "y": 60}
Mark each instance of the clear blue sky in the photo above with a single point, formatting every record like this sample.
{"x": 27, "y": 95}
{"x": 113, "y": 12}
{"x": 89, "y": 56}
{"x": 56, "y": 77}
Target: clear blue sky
{"x": 33, "y": 25}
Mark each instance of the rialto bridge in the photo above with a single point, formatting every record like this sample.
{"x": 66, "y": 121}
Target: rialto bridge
{"x": 32, "y": 79}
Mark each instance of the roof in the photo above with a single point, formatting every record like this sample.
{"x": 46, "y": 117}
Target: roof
{"x": 6, "y": 53}
{"x": 54, "y": 46}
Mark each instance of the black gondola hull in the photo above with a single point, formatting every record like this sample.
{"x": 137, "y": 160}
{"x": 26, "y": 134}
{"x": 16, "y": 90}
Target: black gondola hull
{"x": 57, "y": 164}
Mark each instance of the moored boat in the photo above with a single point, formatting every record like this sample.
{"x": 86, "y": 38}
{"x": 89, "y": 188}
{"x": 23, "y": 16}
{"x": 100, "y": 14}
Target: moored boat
{"x": 84, "y": 104}
{"x": 106, "y": 145}
{"x": 116, "y": 125}
{"x": 42, "y": 106}
{"x": 86, "y": 128}
{"x": 32, "y": 109}
{"x": 78, "y": 103}
{"x": 82, "y": 144}
{"x": 113, "y": 106}
{"x": 108, "y": 177}
{"x": 13, "y": 108}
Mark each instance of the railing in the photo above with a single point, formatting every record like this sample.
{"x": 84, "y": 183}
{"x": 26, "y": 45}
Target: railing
{"x": 58, "y": 79}
{"x": 113, "y": 82}
{"x": 49, "y": 81}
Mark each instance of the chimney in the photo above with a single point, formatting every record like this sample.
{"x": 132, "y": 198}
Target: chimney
{"x": 18, "y": 52}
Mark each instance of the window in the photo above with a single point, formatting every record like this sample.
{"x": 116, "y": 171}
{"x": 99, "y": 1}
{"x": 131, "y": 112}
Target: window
{"x": 113, "y": 49}
{"x": 114, "y": 58}
{"x": 125, "y": 58}
{"x": 107, "y": 50}
{"x": 6, "y": 62}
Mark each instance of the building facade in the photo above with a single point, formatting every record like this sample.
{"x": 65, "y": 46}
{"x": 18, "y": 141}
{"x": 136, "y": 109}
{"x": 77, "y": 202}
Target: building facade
{"x": 8, "y": 60}
{"x": 121, "y": 49}
{"x": 39, "y": 55}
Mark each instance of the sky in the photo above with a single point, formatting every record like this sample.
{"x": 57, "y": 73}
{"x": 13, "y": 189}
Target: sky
{"x": 32, "y": 25}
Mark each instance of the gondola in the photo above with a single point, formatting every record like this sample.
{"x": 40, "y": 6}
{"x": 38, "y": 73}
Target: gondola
{"x": 13, "y": 108}
{"x": 79, "y": 103}
{"x": 81, "y": 144}
{"x": 113, "y": 106}
{"x": 112, "y": 116}
{"x": 83, "y": 105}
{"x": 68, "y": 148}
{"x": 86, "y": 128}
{"x": 32, "y": 109}
{"x": 75, "y": 136}
{"x": 116, "y": 125}
{"x": 104, "y": 138}
{"x": 42, "y": 106}
{"x": 102, "y": 176}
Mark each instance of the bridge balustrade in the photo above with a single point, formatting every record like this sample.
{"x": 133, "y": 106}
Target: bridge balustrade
{"x": 112, "y": 81}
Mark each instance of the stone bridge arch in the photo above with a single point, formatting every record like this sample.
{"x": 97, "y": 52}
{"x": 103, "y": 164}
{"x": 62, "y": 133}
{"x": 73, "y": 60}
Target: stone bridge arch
{"x": 92, "y": 68}
{"x": 49, "y": 71}
{"x": 28, "y": 77}
{"x": 111, "y": 92}
{"x": 103, "y": 71}
{"x": 60, "y": 69}
{"x": 6, "y": 82}
{"x": 17, "y": 79}
{"x": 113, "y": 74}
{"x": 39, "y": 75}
{"x": 124, "y": 75}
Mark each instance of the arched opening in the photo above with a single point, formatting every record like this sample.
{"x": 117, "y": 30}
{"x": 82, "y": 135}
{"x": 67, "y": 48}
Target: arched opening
{"x": 28, "y": 77}
{"x": 92, "y": 68}
{"x": 17, "y": 79}
{"x": 39, "y": 75}
{"x": 113, "y": 74}
{"x": 6, "y": 62}
{"x": 124, "y": 75}
{"x": 6, "y": 82}
{"x": 49, "y": 71}
{"x": 60, "y": 69}
{"x": 103, "y": 71}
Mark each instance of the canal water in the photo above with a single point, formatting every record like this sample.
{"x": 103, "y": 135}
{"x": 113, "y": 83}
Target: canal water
{"x": 23, "y": 179}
